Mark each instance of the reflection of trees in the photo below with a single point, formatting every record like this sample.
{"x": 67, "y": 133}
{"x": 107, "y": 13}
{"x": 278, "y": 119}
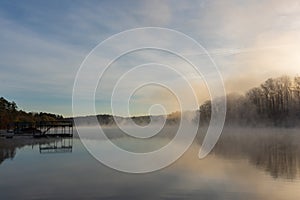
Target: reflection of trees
{"x": 8, "y": 147}
{"x": 6, "y": 151}
{"x": 276, "y": 153}
{"x": 279, "y": 157}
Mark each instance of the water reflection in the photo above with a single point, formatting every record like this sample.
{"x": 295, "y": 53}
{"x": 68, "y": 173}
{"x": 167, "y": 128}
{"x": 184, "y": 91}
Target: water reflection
{"x": 8, "y": 147}
{"x": 7, "y": 150}
{"x": 62, "y": 145}
{"x": 243, "y": 165}
{"x": 276, "y": 151}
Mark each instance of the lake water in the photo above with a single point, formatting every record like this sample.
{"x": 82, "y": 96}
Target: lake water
{"x": 245, "y": 164}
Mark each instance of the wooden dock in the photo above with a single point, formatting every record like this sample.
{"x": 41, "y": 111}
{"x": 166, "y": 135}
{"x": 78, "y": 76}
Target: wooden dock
{"x": 55, "y": 129}
{"x": 62, "y": 128}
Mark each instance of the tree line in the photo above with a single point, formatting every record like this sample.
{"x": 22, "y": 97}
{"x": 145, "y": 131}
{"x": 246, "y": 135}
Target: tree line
{"x": 276, "y": 102}
{"x": 9, "y": 113}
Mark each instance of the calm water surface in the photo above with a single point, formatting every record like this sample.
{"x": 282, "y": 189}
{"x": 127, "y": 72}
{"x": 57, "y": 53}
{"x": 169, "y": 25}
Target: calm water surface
{"x": 260, "y": 164}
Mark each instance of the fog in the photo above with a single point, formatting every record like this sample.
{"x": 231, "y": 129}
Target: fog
{"x": 275, "y": 150}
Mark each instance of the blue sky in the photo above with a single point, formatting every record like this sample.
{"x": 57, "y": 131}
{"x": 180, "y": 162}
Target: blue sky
{"x": 44, "y": 42}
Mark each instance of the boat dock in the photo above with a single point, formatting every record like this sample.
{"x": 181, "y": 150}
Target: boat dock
{"x": 62, "y": 128}
{"x": 55, "y": 128}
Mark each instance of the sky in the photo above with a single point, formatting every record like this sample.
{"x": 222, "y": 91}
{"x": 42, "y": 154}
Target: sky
{"x": 43, "y": 44}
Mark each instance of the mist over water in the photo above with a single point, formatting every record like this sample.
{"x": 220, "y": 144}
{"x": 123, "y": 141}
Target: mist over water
{"x": 246, "y": 163}
{"x": 273, "y": 150}
{"x": 150, "y": 100}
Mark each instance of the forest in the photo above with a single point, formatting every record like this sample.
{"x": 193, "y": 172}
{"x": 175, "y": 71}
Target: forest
{"x": 10, "y": 113}
{"x": 276, "y": 102}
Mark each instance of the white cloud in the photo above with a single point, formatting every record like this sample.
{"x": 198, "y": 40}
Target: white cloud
{"x": 250, "y": 41}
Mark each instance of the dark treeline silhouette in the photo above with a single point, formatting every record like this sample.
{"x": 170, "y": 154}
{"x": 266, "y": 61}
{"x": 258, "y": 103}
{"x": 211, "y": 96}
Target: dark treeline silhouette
{"x": 276, "y": 102}
{"x": 9, "y": 113}
{"x": 110, "y": 120}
